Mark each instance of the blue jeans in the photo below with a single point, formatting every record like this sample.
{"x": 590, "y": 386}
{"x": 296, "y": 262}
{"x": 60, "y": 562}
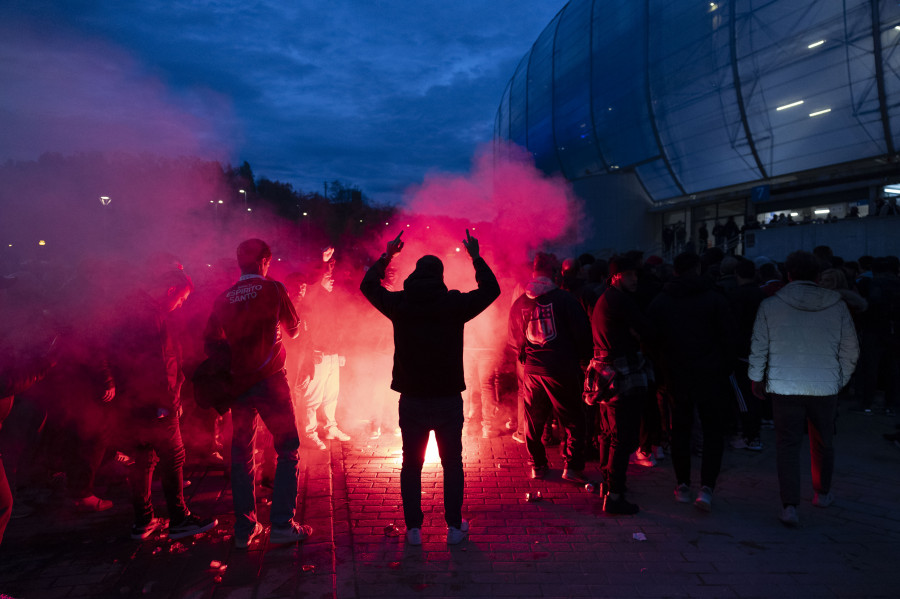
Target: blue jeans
{"x": 271, "y": 400}
{"x": 418, "y": 417}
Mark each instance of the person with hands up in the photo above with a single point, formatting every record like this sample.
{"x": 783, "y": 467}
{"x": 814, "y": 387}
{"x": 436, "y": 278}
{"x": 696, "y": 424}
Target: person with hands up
{"x": 428, "y": 321}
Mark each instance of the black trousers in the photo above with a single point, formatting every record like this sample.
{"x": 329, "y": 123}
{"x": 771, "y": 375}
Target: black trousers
{"x": 559, "y": 395}
{"x": 620, "y": 430}
{"x": 712, "y": 397}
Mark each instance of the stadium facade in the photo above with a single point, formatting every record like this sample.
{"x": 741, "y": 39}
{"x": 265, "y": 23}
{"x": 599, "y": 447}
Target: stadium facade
{"x": 667, "y": 113}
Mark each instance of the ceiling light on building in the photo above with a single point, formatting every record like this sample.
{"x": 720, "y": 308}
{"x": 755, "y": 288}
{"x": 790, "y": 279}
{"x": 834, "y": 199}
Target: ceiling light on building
{"x": 816, "y": 44}
{"x": 821, "y": 211}
{"x": 795, "y": 214}
{"x": 713, "y": 6}
{"x": 893, "y": 190}
{"x": 820, "y": 112}
{"x": 791, "y": 105}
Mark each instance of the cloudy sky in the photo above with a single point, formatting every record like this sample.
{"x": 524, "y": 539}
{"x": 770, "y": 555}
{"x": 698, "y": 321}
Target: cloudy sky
{"x": 376, "y": 93}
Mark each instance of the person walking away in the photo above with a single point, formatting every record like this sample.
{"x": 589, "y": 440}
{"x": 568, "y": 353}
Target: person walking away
{"x": 696, "y": 336}
{"x": 803, "y": 351}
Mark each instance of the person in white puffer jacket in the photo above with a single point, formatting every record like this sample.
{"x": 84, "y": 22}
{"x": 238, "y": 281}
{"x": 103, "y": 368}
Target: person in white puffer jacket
{"x": 803, "y": 351}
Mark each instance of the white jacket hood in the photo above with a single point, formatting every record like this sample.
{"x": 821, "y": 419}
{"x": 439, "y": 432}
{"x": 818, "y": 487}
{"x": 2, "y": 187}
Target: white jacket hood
{"x": 807, "y": 296}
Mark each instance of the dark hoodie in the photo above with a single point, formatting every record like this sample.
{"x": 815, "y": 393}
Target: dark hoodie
{"x": 428, "y": 324}
{"x": 549, "y": 329}
{"x": 696, "y": 331}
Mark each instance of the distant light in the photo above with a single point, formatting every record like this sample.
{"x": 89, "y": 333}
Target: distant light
{"x": 211, "y": 202}
{"x": 897, "y": 27}
{"x": 613, "y": 167}
{"x": 713, "y": 6}
{"x": 304, "y": 214}
{"x": 105, "y": 200}
{"x": 822, "y": 211}
{"x": 221, "y": 202}
{"x": 791, "y": 105}
{"x": 818, "y": 112}
{"x": 42, "y": 242}
{"x": 457, "y": 249}
{"x": 892, "y": 189}
{"x": 386, "y": 224}
{"x": 816, "y": 44}
{"x": 209, "y": 265}
{"x": 279, "y": 259}
{"x": 249, "y": 209}
{"x": 10, "y": 245}
{"x": 360, "y": 220}
{"x": 794, "y": 214}
{"x": 407, "y": 226}
{"x": 241, "y": 191}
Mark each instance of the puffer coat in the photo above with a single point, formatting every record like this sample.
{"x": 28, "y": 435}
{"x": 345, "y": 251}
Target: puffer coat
{"x": 804, "y": 342}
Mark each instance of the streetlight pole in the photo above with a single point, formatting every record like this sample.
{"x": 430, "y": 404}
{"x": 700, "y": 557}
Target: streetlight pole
{"x": 105, "y": 200}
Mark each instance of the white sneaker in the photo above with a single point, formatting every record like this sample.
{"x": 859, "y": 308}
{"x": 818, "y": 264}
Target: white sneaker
{"x": 243, "y": 542}
{"x": 683, "y": 494}
{"x": 455, "y": 536}
{"x": 823, "y": 500}
{"x": 295, "y": 533}
{"x": 642, "y": 459}
{"x": 704, "y": 499}
{"x": 414, "y": 536}
{"x": 334, "y": 432}
{"x": 789, "y": 517}
{"x": 314, "y": 441}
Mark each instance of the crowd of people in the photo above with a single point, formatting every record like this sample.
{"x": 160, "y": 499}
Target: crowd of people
{"x": 622, "y": 361}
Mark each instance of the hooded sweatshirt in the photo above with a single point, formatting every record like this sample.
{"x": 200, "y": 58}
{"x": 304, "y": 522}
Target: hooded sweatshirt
{"x": 696, "y": 329}
{"x": 428, "y": 324}
{"x": 549, "y": 329}
{"x": 804, "y": 342}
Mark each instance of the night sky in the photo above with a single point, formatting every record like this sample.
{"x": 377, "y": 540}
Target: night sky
{"x": 374, "y": 93}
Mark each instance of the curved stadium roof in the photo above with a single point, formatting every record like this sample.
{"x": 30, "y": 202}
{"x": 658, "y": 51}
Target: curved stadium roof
{"x": 698, "y": 95}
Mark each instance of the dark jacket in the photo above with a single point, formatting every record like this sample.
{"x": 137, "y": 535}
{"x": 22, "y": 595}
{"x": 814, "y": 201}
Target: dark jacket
{"x": 549, "y": 329}
{"x": 145, "y": 358}
{"x": 696, "y": 331}
{"x": 619, "y": 325}
{"x": 428, "y": 324}
{"x": 744, "y": 301}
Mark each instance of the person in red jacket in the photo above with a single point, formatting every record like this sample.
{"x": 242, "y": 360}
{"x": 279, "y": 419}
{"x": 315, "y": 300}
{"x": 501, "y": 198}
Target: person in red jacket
{"x": 246, "y": 324}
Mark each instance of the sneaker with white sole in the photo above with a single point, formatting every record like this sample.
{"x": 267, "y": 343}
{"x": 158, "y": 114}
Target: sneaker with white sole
{"x": 140, "y": 532}
{"x": 455, "y": 536}
{"x": 190, "y": 526}
{"x": 295, "y": 533}
{"x": 789, "y": 516}
{"x": 313, "y": 440}
{"x": 243, "y": 541}
{"x": 414, "y": 536}
{"x": 704, "y": 499}
{"x": 574, "y": 476}
{"x": 333, "y": 432}
{"x": 518, "y": 438}
{"x": 641, "y": 458}
{"x": 754, "y": 445}
{"x": 823, "y": 499}
{"x": 683, "y": 493}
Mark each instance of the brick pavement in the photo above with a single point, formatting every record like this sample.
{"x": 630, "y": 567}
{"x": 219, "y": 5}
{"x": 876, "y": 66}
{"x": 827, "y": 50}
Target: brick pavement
{"x": 563, "y": 546}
